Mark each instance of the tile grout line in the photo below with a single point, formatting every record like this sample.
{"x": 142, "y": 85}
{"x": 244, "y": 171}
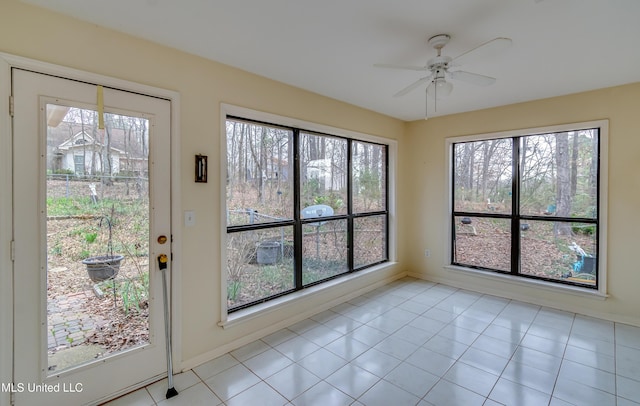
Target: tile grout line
{"x": 409, "y": 296}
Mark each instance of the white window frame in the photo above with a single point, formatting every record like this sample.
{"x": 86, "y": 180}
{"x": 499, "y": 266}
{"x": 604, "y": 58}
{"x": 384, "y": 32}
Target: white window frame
{"x": 227, "y": 320}
{"x": 601, "y": 292}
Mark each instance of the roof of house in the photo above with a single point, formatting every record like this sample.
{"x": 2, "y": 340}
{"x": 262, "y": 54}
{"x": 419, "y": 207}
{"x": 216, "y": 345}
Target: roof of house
{"x": 81, "y": 140}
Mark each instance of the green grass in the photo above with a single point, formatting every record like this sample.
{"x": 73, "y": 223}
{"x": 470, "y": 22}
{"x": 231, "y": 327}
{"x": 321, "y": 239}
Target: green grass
{"x": 65, "y": 206}
{"x": 56, "y": 249}
{"x": 233, "y": 290}
{"x": 83, "y": 206}
{"x": 276, "y": 276}
{"x": 132, "y": 292}
{"x": 315, "y": 270}
{"x": 84, "y": 254}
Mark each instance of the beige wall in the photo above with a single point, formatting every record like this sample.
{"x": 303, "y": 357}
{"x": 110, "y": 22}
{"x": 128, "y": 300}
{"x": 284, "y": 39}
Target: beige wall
{"x": 38, "y": 34}
{"x": 621, "y": 106}
{"x": 41, "y": 35}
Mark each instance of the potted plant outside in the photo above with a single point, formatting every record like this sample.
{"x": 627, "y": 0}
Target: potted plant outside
{"x": 103, "y": 267}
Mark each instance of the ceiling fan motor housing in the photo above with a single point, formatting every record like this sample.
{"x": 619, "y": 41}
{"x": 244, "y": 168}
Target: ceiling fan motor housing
{"x": 438, "y": 63}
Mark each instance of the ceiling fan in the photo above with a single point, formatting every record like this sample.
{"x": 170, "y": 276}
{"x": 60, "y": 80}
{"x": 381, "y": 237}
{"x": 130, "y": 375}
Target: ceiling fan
{"x": 439, "y": 67}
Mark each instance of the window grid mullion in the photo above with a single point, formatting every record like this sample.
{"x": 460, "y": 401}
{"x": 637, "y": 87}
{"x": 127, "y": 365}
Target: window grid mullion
{"x": 386, "y": 201}
{"x": 597, "y": 271}
{"x": 297, "y": 228}
{"x": 350, "y": 247}
{"x": 297, "y": 222}
{"x": 515, "y": 205}
{"x": 516, "y": 218}
{"x": 452, "y": 200}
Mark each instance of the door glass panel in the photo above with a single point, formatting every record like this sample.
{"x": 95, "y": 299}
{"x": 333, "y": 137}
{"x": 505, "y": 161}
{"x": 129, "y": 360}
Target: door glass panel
{"x": 97, "y": 228}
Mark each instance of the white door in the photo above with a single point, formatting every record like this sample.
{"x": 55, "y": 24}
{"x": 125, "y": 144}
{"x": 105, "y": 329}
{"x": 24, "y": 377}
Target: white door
{"x": 90, "y": 207}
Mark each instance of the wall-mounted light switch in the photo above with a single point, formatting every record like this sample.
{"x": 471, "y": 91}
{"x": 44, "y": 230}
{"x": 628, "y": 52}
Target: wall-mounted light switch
{"x": 189, "y": 218}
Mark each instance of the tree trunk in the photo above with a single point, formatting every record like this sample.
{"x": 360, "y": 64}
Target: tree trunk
{"x": 257, "y": 162}
{"x": 487, "y": 155}
{"x": 574, "y": 164}
{"x": 523, "y": 164}
{"x": 470, "y": 150}
{"x": 593, "y": 170}
{"x": 108, "y": 168}
{"x": 563, "y": 189}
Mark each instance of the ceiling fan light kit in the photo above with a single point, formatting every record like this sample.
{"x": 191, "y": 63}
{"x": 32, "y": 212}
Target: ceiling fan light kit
{"x": 440, "y": 88}
{"x": 438, "y": 68}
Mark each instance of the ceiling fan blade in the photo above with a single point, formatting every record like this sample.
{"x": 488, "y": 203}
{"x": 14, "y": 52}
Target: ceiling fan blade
{"x": 413, "y": 86}
{"x": 472, "y": 78}
{"x": 405, "y": 67}
{"x": 487, "y": 49}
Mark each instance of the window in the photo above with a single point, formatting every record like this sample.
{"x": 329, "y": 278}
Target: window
{"x": 78, "y": 164}
{"x": 529, "y": 204}
{"x": 302, "y": 207}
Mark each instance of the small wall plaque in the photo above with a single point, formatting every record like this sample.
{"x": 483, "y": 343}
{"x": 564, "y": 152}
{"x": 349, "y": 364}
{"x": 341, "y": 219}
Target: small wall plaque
{"x": 201, "y": 168}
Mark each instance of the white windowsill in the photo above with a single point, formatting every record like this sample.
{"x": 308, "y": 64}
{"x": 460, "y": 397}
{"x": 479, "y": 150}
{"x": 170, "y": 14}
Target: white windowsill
{"x": 538, "y": 284}
{"x": 260, "y": 310}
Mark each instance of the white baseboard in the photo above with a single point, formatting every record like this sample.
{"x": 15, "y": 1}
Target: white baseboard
{"x": 532, "y": 299}
{"x": 210, "y": 355}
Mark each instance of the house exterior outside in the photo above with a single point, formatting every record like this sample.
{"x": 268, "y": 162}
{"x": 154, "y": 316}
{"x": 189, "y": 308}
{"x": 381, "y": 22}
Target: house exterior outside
{"x": 83, "y": 155}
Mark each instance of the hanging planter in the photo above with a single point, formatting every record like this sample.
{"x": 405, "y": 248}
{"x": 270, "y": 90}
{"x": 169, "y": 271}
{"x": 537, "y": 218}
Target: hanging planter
{"x": 103, "y": 267}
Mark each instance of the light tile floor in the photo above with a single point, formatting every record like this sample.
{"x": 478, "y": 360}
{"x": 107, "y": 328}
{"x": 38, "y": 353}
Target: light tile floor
{"x": 414, "y": 342}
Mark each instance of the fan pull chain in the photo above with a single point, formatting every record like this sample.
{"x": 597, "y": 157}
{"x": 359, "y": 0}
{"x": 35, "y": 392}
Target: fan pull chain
{"x": 426, "y": 104}
{"x": 435, "y": 95}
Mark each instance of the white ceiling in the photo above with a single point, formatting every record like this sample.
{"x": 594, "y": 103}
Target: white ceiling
{"x": 329, "y": 46}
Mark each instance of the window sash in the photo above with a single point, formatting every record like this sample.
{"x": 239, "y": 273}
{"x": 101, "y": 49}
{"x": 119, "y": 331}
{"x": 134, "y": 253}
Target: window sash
{"x": 515, "y": 218}
{"x": 298, "y": 223}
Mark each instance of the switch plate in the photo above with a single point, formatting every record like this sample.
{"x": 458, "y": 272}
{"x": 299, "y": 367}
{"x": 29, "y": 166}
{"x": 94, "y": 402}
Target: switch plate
{"x": 189, "y": 218}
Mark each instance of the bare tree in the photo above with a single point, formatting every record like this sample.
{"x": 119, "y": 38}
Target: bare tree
{"x": 593, "y": 168}
{"x": 574, "y": 163}
{"x": 563, "y": 185}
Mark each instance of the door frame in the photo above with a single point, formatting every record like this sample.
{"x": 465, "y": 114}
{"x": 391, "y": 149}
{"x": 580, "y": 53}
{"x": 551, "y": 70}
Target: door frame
{"x": 7, "y": 62}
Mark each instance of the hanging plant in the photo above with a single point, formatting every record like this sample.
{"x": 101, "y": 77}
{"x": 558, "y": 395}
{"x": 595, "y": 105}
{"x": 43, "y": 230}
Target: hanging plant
{"x": 103, "y": 267}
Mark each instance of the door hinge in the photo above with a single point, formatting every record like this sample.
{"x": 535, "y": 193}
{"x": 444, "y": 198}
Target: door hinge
{"x": 11, "y": 106}
{"x": 12, "y": 248}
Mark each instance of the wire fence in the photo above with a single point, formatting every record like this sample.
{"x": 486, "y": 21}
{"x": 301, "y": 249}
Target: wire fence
{"x": 96, "y": 188}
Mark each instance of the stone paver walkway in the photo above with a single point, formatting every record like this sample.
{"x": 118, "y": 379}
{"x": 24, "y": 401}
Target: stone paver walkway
{"x": 69, "y": 323}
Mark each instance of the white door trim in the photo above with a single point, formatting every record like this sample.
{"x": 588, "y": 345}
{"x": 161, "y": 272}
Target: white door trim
{"x": 7, "y": 62}
{"x": 6, "y": 236}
